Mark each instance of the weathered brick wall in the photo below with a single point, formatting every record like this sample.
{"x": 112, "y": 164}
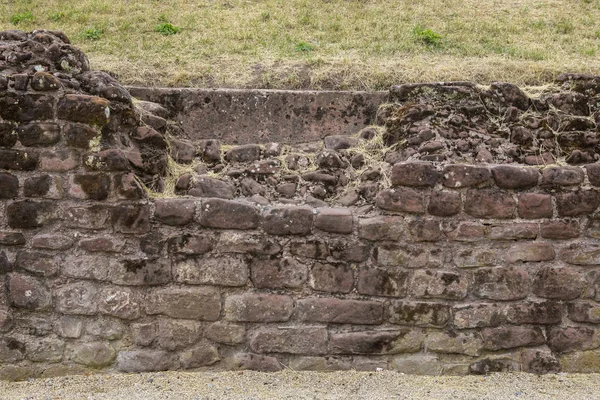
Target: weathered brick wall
{"x": 449, "y": 269}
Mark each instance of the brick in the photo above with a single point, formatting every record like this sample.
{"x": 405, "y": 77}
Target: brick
{"x": 92, "y": 354}
{"x": 381, "y": 228}
{"x": 252, "y": 307}
{"x": 291, "y": 340}
{"x": 278, "y": 273}
{"x": 26, "y": 107}
{"x": 220, "y": 271}
{"x": 11, "y": 238}
{"x": 175, "y": 211}
{"x": 470, "y": 257}
{"x": 81, "y": 136}
{"x": 584, "y": 311}
{"x": 409, "y": 256}
{"x": 478, "y": 315}
{"x": 82, "y": 108}
{"x": 468, "y": 232}
{"x": 560, "y": 230}
{"x": 487, "y": 203}
{"x": 539, "y": 361}
{"x": 564, "y": 283}
{"x": 190, "y": 244}
{"x": 225, "y": 214}
{"x": 535, "y": 205}
{"x": 514, "y": 231}
{"x": 444, "y": 204}
{"x": 335, "y": 278}
{"x": 468, "y": 343}
{"x": 511, "y": 336}
{"x": 101, "y": 244}
{"x": 119, "y": 302}
{"x": 401, "y": 200}
{"x": 177, "y": 334}
{"x": 544, "y": 313}
{"x": 58, "y": 160}
{"x": 561, "y": 176}
{"x": 581, "y": 254}
{"x": 201, "y": 303}
{"x": 572, "y": 338}
{"x": 439, "y": 284}
{"x": 377, "y": 342}
{"x": 90, "y": 186}
{"x": 419, "y": 314}
{"x": 416, "y": 174}
{"x": 425, "y": 230}
{"x": 145, "y": 361}
{"x": 501, "y": 283}
{"x": 43, "y": 186}
{"x": 581, "y": 202}
{"x": 133, "y": 219}
{"x": 288, "y": 221}
{"x": 39, "y": 134}
{"x": 44, "y": 81}
{"x": 77, "y": 298}
{"x": 107, "y": 160}
{"x": 240, "y": 242}
{"x": 530, "y": 252}
{"x": 18, "y": 160}
{"x": 36, "y": 262}
{"x": 338, "y": 311}
{"x": 593, "y": 172}
{"x": 202, "y": 354}
{"x": 9, "y": 186}
{"x": 389, "y": 282}
{"x": 352, "y": 251}
{"x": 256, "y": 362}
{"x": 515, "y": 177}
{"x": 334, "y": 220}
{"x": 225, "y": 332}
{"x": 460, "y": 175}
{"x": 28, "y": 292}
{"x": 210, "y": 187}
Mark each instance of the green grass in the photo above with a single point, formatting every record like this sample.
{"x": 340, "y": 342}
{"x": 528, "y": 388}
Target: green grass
{"x": 323, "y": 44}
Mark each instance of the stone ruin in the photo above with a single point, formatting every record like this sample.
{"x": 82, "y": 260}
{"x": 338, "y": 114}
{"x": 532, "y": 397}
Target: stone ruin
{"x": 453, "y": 231}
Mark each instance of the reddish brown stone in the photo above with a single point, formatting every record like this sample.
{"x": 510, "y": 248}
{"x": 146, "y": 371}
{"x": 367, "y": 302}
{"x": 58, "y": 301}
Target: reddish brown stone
{"x": 401, "y": 200}
{"x": 459, "y": 176}
{"x": 278, "y": 273}
{"x": 28, "y": 292}
{"x": 205, "y": 186}
{"x": 335, "y": 278}
{"x": 9, "y": 186}
{"x": 560, "y": 230}
{"x": 489, "y": 204}
{"x": 26, "y": 107}
{"x": 572, "y": 338}
{"x": 335, "y": 220}
{"x": 190, "y": 244}
{"x": 131, "y": 219}
{"x": 44, "y": 81}
{"x": 425, "y": 230}
{"x": 175, "y": 335}
{"x": 145, "y": 360}
{"x": 563, "y": 283}
{"x": 581, "y": 202}
{"x": 225, "y": 332}
{"x": 293, "y": 340}
{"x": 36, "y": 262}
{"x": 310, "y": 248}
{"x": 381, "y": 228}
{"x": 547, "y": 312}
{"x": 80, "y": 135}
{"x": 593, "y": 172}
{"x": 468, "y": 232}
{"x": 584, "y": 312}
{"x": 530, "y": 252}
{"x": 175, "y": 211}
{"x": 11, "y": 238}
{"x": 82, "y": 108}
{"x": 375, "y": 281}
{"x": 535, "y": 205}
{"x": 501, "y": 283}
{"x": 251, "y": 307}
{"x": 419, "y": 314}
{"x": 107, "y": 160}
{"x": 439, "y": 284}
{"x": 128, "y": 187}
{"x": 91, "y": 186}
{"x": 514, "y": 231}
{"x": 87, "y": 217}
{"x": 39, "y": 134}
{"x": 478, "y": 315}
{"x": 288, "y": 221}
{"x": 511, "y": 337}
{"x": 245, "y": 153}
{"x": 225, "y": 214}
{"x": 337, "y": 311}
{"x": 140, "y": 271}
{"x": 59, "y": 160}
{"x": 18, "y": 160}
{"x": 444, "y": 204}
{"x": 416, "y": 174}
{"x": 8, "y": 134}
{"x": 515, "y": 177}
{"x": 561, "y": 176}
{"x": 29, "y": 214}
{"x": 221, "y": 271}
{"x": 38, "y": 186}
{"x": 202, "y": 303}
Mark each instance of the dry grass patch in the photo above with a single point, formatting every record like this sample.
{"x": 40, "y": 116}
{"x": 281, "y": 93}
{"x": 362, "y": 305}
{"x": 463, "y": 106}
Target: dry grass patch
{"x": 335, "y": 44}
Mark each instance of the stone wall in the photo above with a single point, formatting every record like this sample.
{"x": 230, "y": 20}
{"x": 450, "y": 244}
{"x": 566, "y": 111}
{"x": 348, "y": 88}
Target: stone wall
{"x": 378, "y": 257}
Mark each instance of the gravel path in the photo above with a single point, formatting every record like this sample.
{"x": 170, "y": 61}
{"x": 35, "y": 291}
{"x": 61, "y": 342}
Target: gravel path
{"x": 305, "y": 385}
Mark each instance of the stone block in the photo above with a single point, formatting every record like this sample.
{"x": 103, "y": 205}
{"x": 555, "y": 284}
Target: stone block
{"x": 11, "y": 350}
{"x": 478, "y": 315}
{"x": 278, "y": 273}
{"x": 535, "y": 205}
{"x": 23, "y": 107}
{"x": 291, "y": 340}
{"x": 244, "y": 153}
{"x": 334, "y": 220}
{"x": 90, "y": 186}
{"x": 175, "y": 211}
{"x": 177, "y": 334}
{"x": 560, "y": 230}
{"x": 92, "y": 354}
{"x": 39, "y": 134}
{"x": 251, "y": 307}
{"x": 256, "y": 362}
{"x": 514, "y": 231}
{"x": 220, "y": 271}
{"x": 28, "y": 292}
{"x": 585, "y": 254}
{"x": 487, "y": 203}
{"x": 469, "y": 343}
{"x": 389, "y": 282}
{"x": 133, "y": 219}
{"x": 316, "y": 249}
{"x": 509, "y": 337}
{"x": 36, "y": 262}
{"x": 468, "y": 232}
{"x": 572, "y": 338}
{"x": 145, "y": 361}
{"x": 107, "y": 160}
{"x": 593, "y": 173}
{"x": 60, "y": 160}
{"x": 416, "y": 174}
{"x": 439, "y": 284}
{"x": 581, "y": 202}
{"x": 403, "y": 200}
{"x": 45, "y": 350}
{"x": 87, "y": 217}
{"x": 539, "y": 361}
{"x": 68, "y": 326}
{"x": 28, "y": 214}
{"x": 51, "y": 242}
{"x": 140, "y": 271}
{"x": 77, "y": 298}
{"x": 205, "y": 186}
{"x": 543, "y": 313}
{"x": 335, "y": 278}
{"x": 561, "y": 176}
{"x": 461, "y": 175}
{"x": 225, "y": 214}
{"x": 562, "y": 283}
{"x": 530, "y": 252}
{"x": 338, "y": 311}
{"x": 419, "y": 314}
{"x": 82, "y": 136}
{"x": 101, "y": 244}
{"x": 584, "y": 311}
{"x": 189, "y": 244}
{"x": 501, "y": 283}
{"x": 144, "y": 334}
{"x": 288, "y": 221}
{"x": 11, "y": 238}
{"x": 202, "y": 354}
{"x": 255, "y": 245}
{"x": 119, "y": 302}
{"x": 83, "y": 108}
{"x": 425, "y": 230}
{"x": 444, "y": 204}
{"x": 381, "y": 228}
{"x": 410, "y": 256}
{"x": 226, "y": 333}
{"x": 201, "y": 303}
{"x": 377, "y": 342}
{"x": 515, "y": 177}
{"x": 418, "y": 364}
{"x": 9, "y": 186}
{"x": 105, "y": 328}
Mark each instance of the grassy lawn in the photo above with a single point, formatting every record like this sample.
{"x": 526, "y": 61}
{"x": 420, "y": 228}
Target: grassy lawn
{"x": 322, "y": 44}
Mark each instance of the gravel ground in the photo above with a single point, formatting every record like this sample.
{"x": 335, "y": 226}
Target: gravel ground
{"x": 305, "y": 385}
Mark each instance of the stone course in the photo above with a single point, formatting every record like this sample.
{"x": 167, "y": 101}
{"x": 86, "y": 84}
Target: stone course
{"x": 260, "y": 257}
